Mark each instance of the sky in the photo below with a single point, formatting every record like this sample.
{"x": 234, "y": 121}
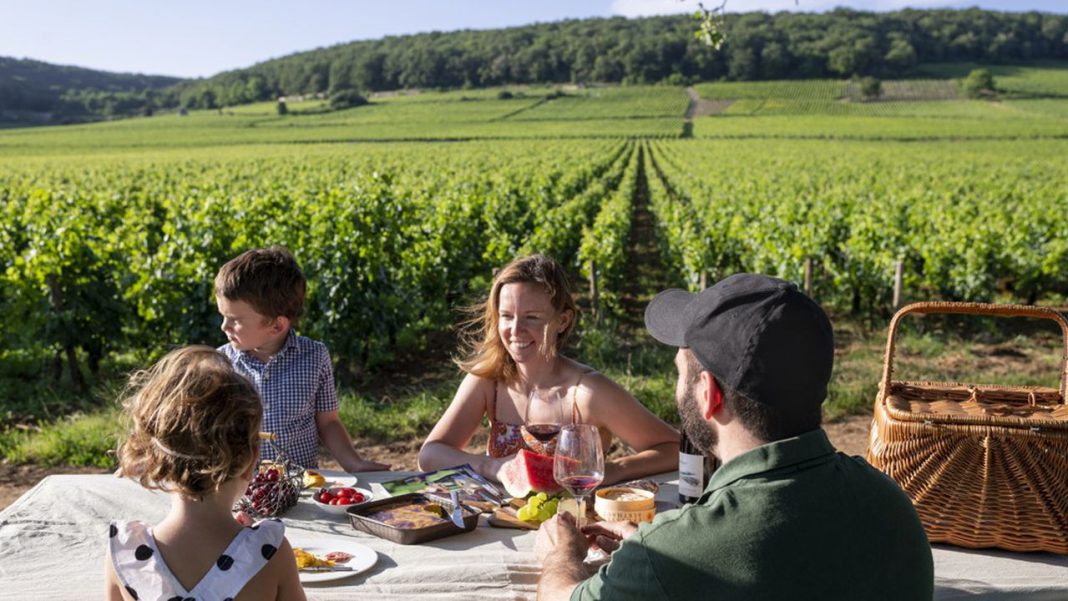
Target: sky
{"x": 199, "y": 38}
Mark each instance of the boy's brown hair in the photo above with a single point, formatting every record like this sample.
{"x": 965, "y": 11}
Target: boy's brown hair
{"x": 269, "y": 279}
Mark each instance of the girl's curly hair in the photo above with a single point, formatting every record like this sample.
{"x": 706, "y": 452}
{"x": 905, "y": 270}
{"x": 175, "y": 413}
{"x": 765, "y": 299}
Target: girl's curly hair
{"x": 195, "y": 423}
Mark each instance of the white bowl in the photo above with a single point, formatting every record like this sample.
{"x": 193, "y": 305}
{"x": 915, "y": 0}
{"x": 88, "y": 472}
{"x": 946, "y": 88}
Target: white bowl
{"x": 340, "y": 509}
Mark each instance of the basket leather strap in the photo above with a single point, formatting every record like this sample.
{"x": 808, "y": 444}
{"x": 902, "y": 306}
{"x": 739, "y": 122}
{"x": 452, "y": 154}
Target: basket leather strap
{"x": 926, "y": 308}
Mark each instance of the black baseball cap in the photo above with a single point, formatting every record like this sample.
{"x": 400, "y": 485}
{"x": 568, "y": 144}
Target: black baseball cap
{"x": 756, "y": 334}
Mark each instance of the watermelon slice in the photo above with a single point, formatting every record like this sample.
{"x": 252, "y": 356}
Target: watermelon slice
{"x": 529, "y": 472}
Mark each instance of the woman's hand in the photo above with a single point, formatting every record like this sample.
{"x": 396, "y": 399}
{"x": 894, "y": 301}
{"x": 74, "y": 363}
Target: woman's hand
{"x": 497, "y": 466}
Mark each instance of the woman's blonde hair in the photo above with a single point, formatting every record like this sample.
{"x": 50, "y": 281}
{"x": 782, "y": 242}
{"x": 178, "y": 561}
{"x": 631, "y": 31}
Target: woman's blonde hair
{"x": 195, "y": 423}
{"x": 486, "y": 355}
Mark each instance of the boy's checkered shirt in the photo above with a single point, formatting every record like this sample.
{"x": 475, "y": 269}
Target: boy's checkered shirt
{"x": 295, "y": 384}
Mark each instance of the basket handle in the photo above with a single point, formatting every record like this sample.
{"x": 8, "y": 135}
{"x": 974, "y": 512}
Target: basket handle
{"x": 926, "y": 308}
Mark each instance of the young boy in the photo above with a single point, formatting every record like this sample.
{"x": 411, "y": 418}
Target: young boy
{"x": 260, "y": 295}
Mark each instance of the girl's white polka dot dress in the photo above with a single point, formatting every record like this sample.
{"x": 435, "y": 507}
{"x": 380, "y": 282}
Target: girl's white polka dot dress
{"x": 146, "y": 577}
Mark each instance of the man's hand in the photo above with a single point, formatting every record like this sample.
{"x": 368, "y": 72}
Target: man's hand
{"x": 561, "y": 547}
{"x": 607, "y": 536}
{"x": 560, "y": 537}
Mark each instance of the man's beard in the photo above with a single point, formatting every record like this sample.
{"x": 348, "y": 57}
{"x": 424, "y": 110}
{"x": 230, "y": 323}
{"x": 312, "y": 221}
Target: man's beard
{"x": 697, "y": 429}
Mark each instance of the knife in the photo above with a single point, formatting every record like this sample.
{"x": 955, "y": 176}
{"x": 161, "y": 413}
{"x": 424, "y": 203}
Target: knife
{"x": 457, "y": 513}
{"x": 327, "y": 569}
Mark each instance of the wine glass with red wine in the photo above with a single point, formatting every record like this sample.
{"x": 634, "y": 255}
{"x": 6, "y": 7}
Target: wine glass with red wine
{"x": 578, "y": 464}
{"x": 544, "y": 414}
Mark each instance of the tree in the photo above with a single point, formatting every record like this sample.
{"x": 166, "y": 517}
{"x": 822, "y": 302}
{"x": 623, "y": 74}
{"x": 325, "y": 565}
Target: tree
{"x": 978, "y": 84}
{"x": 742, "y": 62}
{"x": 871, "y": 88}
{"x": 774, "y": 61}
{"x": 901, "y": 55}
{"x": 346, "y": 99}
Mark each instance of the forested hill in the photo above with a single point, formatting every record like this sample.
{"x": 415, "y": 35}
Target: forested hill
{"x": 840, "y": 43}
{"x": 837, "y": 44}
{"x": 35, "y": 90}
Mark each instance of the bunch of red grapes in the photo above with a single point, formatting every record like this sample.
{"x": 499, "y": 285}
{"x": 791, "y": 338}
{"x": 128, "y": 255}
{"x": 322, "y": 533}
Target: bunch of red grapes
{"x": 271, "y": 492}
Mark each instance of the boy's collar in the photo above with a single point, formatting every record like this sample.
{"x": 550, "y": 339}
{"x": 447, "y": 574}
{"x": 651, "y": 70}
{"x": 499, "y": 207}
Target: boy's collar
{"x": 290, "y": 345}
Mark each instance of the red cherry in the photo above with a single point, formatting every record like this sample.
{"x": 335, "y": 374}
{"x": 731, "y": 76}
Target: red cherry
{"x": 325, "y": 497}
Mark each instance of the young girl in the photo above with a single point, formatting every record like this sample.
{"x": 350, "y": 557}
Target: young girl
{"x": 195, "y": 434}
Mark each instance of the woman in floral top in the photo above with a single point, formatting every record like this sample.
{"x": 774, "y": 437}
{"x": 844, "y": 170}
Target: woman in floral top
{"x": 519, "y": 331}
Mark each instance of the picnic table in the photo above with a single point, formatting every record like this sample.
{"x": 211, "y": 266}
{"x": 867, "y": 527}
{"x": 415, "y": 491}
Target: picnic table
{"x": 52, "y": 544}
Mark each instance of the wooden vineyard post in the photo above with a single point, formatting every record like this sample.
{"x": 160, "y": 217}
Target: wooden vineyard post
{"x": 899, "y": 272}
{"x": 704, "y": 280}
{"x": 595, "y": 296}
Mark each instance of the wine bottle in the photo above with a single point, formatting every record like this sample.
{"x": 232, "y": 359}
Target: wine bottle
{"x": 692, "y": 473}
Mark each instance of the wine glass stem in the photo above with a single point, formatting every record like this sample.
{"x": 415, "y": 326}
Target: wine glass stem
{"x": 581, "y": 517}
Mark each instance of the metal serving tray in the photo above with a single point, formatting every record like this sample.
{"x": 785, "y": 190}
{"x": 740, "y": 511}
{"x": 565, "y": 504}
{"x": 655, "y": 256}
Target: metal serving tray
{"x": 408, "y": 536}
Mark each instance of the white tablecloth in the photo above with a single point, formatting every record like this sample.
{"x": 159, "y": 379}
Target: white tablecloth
{"x": 52, "y": 543}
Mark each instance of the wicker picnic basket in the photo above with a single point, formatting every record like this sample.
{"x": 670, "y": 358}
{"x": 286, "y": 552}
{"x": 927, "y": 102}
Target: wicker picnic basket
{"x": 986, "y": 466}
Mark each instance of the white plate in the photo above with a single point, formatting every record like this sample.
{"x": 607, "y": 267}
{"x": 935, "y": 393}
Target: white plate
{"x": 363, "y": 557}
{"x": 338, "y": 482}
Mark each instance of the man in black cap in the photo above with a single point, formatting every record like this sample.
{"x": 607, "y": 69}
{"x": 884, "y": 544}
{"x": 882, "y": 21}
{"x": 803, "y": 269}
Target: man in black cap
{"x": 785, "y": 516}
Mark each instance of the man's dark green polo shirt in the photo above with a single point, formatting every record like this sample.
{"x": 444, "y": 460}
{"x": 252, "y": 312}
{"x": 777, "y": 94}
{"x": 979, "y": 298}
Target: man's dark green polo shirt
{"x": 792, "y": 519}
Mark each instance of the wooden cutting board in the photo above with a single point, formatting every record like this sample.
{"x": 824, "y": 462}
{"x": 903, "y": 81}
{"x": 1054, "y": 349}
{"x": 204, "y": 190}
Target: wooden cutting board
{"x": 505, "y": 516}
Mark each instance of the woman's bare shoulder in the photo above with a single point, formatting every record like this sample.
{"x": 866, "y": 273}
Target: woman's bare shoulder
{"x": 478, "y": 385}
{"x": 593, "y": 383}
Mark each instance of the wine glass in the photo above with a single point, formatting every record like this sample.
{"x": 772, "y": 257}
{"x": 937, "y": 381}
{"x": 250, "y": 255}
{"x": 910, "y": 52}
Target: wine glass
{"x": 578, "y": 464}
{"x": 544, "y": 414}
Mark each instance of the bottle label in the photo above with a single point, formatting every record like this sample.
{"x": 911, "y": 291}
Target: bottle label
{"x": 691, "y": 475}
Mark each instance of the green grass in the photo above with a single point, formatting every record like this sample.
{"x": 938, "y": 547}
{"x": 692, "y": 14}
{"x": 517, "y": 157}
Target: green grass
{"x": 997, "y": 121}
{"x": 958, "y": 109}
{"x": 442, "y": 117}
{"x": 1042, "y": 79}
{"x": 78, "y": 439}
{"x": 1040, "y": 107}
{"x": 808, "y": 89}
{"x": 270, "y": 107}
{"x": 520, "y": 93}
{"x": 627, "y": 102}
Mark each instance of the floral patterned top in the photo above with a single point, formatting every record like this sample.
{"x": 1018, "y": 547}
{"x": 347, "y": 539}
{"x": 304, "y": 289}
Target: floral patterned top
{"x": 507, "y": 439}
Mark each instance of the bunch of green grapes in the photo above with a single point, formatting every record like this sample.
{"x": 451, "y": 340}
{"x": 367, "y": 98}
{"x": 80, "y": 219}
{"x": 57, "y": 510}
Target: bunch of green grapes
{"x": 538, "y": 508}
